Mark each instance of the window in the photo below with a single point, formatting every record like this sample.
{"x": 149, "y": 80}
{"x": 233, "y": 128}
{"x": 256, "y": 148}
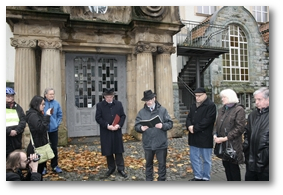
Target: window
{"x": 235, "y": 63}
{"x": 246, "y": 100}
{"x": 206, "y": 9}
{"x": 98, "y": 9}
{"x": 260, "y": 13}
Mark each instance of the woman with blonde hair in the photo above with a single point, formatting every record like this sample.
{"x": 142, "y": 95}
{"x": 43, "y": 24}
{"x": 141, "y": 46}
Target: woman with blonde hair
{"x": 229, "y": 127}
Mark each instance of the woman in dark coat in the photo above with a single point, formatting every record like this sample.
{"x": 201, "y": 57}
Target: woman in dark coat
{"x": 38, "y": 126}
{"x": 229, "y": 127}
{"x": 111, "y": 135}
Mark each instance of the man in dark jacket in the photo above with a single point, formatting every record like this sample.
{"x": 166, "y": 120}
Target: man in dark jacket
{"x": 15, "y": 122}
{"x": 111, "y": 134}
{"x": 256, "y": 139}
{"x": 17, "y": 161}
{"x": 200, "y": 122}
{"x": 154, "y": 139}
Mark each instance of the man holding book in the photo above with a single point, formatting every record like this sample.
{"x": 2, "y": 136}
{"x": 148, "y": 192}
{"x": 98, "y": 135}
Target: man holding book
{"x": 110, "y": 116}
{"x": 154, "y": 138}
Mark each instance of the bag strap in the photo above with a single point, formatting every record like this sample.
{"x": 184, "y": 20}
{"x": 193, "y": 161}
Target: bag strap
{"x": 32, "y": 139}
{"x": 32, "y": 143}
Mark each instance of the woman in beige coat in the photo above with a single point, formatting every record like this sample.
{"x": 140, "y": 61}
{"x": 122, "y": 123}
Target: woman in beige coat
{"x": 229, "y": 127}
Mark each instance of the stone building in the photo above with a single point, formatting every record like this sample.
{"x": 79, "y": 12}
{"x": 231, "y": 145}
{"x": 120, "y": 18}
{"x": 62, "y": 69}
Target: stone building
{"x": 79, "y": 50}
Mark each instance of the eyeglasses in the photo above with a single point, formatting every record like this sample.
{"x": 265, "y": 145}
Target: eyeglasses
{"x": 197, "y": 96}
{"x": 9, "y": 96}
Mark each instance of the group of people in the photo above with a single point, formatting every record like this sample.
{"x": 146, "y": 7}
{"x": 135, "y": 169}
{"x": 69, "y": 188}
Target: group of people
{"x": 43, "y": 118}
{"x": 228, "y": 126}
{"x": 154, "y": 138}
{"x": 206, "y": 125}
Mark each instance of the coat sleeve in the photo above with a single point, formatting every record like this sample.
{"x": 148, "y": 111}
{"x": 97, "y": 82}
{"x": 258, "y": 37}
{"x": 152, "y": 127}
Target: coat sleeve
{"x": 98, "y": 117}
{"x": 22, "y": 123}
{"x": 207, "y": 119}
{"x": 137, "y": 124}
{"x": 167, "y": 121}
{"x": 239, "y": 125}
{"x": 59, "y": 114}
{"x": 38, "y": 124}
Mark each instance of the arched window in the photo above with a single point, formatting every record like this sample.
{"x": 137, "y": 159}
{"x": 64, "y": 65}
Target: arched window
{"x": 235, "y": 63}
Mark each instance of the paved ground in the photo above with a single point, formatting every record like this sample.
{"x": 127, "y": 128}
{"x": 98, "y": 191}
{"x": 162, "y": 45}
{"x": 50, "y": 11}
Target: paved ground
{"x": 178, "y": 163}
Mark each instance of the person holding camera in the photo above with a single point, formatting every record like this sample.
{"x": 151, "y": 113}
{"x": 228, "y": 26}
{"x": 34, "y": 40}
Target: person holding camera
{"x": 18, "y": 161}
{"x": 38, "y": 125}
{"x": 229, "y": 127}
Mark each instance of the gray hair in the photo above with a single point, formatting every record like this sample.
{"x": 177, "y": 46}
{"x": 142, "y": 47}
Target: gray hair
{"x": 264, "y": 91}
{"x": 47, "y": 90}
{"x": 230, "y": 94}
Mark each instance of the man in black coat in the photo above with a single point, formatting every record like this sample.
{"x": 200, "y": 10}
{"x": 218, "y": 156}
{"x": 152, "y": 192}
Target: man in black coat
{"x": 200, "y": 123}
{"x": 111, "y": 134}
{"x": 15, "y": 122}
{"x": 256, "y": 139}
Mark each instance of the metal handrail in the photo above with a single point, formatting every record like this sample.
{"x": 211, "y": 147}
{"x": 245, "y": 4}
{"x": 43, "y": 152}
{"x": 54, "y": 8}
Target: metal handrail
{"x": 199, "y": 34}
{"x": 187, "y": 86}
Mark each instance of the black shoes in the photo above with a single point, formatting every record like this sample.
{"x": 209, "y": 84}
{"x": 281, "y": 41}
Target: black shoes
{"x": 108, "y": 173}
{"x": 195, "y": 179}
{"x": 123, "y": 174}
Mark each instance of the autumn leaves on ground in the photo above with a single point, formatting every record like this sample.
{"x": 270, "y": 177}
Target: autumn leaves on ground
{"x": 85, "y": 162}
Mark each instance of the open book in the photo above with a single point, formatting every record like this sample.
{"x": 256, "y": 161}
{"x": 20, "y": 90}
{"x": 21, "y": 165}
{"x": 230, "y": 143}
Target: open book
{"x": 151, "y": 122}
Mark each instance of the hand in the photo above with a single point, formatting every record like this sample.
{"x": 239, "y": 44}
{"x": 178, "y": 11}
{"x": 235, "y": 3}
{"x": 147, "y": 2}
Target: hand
{"x": 144, "y": 128}
{"x": 159, "y": 125}
{"x": 13, "y": 133}
{"x": 220, "y": 139}
{"x": 191, "y": 129}
{"x": 33, "y": 165}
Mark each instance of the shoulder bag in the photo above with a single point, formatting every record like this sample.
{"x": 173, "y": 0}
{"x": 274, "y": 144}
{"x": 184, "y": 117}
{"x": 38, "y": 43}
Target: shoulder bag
{"x": 45, "y": 152}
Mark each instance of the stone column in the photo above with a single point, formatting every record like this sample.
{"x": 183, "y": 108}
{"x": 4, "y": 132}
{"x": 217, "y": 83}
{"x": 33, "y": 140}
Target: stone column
{"x": 50, "y": 73}
{"x": 163, "y": 78}
{"x": 145, "y": 74}
{"x": 25, "y": 71}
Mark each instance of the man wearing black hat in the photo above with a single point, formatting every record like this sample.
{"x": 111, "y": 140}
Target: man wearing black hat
{"x": 200, "y": 122}
{"x": 155, "y": 138}
{"x": 111, "y": 134}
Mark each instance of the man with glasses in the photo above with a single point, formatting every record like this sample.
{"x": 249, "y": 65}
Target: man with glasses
{"x": 15, "y": 122}
{"x": 18, "y": 161}
{"x": 200, "y": 122}
{"x": 155, "y": 138}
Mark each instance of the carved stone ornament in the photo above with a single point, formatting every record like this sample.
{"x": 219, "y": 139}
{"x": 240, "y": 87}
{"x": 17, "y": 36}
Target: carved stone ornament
{"x": 153, "y": 12}
{"x": 166, "y": 49}
{"x": 23, "y": 42}
{"x": 49, "y": 44}
{"x": 145, "y": 48}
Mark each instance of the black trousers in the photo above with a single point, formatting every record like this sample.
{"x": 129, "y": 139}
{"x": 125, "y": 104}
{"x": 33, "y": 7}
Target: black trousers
{"x": 161, "y": 156}
{"x": 256, "y": 176}
{"x": 232, "y": 171}
{"x": 115, "y": 160}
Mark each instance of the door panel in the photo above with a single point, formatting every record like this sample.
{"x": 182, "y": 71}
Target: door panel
{"x": 86, "y": 77}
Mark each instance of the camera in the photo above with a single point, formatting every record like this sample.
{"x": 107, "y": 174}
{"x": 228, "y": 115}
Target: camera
{"x": 35, "y": 159}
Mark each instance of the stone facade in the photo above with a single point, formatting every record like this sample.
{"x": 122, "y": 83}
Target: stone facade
{"x": 258, "y": 54}
{"x": 43, "y": 35}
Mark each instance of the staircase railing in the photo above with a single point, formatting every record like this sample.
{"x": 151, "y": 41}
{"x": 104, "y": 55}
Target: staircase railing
{"x": 186, "y": 86}
{"x": 201, "y": 34}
